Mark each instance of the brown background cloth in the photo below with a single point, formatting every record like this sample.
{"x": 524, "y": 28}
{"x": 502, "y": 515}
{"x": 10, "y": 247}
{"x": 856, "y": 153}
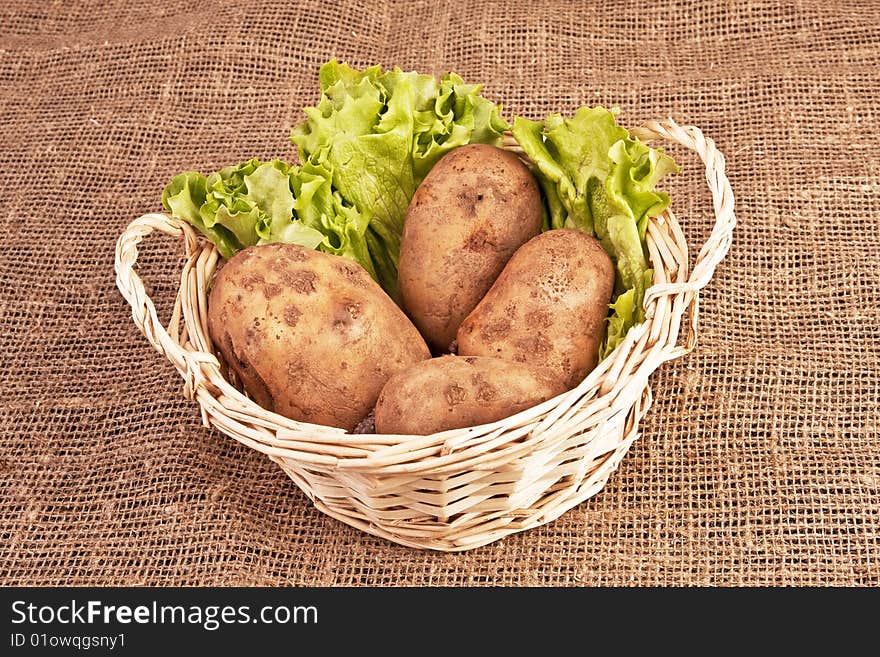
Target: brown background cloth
{"x": 759, "y": 463}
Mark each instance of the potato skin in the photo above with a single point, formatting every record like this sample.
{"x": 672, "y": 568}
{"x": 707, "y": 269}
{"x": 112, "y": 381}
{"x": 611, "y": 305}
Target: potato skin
{"x": 451, "y": 392}
{"x": 475, "y": 207}
{"x": 548, "y": 306}
{"x": 310, "y": 335}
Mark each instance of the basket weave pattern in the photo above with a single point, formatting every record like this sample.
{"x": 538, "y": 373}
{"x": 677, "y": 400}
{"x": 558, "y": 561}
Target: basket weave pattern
{"x": 463, "y": 488}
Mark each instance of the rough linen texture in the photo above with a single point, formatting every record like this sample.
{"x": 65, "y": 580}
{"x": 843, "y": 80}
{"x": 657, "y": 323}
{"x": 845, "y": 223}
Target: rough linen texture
{"x": 759, "y": 463}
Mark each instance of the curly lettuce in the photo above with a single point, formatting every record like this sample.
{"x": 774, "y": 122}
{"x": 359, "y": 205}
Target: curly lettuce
{"x": 243, "y": 205}
{"x": 379, "y": 133}
{"x": 599, "y": 179}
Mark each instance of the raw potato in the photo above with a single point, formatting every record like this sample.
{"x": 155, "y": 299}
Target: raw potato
{"x": 476, "y": 206}
{"x": 451, "y": 392}
{"x": 548, "y": 306}
{"x": 310, "y": 335}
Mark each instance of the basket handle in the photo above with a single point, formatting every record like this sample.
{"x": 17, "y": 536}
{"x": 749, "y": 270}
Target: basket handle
{"x": 719, "y": 241}
{"x": 165, "y": 341}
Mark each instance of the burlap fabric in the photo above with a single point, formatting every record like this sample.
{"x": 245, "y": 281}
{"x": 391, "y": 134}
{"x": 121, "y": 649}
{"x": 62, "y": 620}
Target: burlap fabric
{"x": 759, "y": 462}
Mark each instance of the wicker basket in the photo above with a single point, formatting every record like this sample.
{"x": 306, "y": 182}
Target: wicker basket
{"x": 463, "y": 488}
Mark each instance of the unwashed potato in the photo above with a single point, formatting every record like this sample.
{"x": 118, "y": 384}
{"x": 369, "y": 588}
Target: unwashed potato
{"x": 310, "y": 335}
{"x": 476, "y": 206}
{"x": 548, "y": 306}
{"x": 451, "y": 392}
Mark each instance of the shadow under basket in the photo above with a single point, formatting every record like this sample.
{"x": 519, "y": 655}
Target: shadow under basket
{"x": 463, "y": 488}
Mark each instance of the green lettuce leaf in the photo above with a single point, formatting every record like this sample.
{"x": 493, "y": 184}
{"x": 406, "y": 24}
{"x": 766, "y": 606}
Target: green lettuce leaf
{"x": 596, "y": 177}
{"x": 246, "y": 204}
{"x": 253, "y": 200}
{"x": 378, "y": 133}
{"x": 321, "y": 208}
{"x": 184, "y": 197}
